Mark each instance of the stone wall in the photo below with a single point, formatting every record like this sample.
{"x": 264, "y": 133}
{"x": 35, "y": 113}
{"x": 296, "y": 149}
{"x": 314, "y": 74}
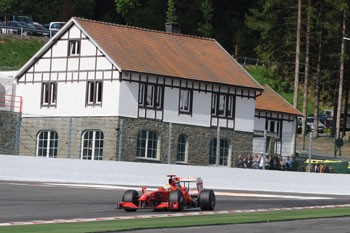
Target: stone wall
{"x": 8, "y": 124}
{"x": 198, "y": 141}
{"x": 198, "y": 138}
{"x": 32, "y": 126}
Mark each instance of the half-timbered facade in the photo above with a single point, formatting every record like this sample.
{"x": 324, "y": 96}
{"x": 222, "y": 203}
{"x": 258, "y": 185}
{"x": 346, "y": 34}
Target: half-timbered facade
{"x": 167, "y": 89}
{"x": 275, "y": 115}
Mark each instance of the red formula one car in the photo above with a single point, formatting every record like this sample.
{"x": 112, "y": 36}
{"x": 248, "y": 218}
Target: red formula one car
{"x": 173, "y": 196}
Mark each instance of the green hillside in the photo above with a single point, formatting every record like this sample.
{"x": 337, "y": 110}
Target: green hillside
{"x": 16, "y": 51}
{"x": 266, "y": 76}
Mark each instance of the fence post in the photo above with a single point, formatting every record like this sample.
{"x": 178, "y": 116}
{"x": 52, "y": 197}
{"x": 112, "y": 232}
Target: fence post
{"x": 69, "y": 136}
{"x": 265, "y": 148}
{"x": 169, "y": 144}
{"x": 310, "y": 151}
{"x": 257, "y": 62}
{"x": 245, "y": 60}
{"x": 18, "y": 128}
{"x": 120, "y": 140}
{"x": 217, "y": 161}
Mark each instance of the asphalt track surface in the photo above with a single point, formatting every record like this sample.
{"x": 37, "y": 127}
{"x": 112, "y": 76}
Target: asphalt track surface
{"x": 30, "y": 201}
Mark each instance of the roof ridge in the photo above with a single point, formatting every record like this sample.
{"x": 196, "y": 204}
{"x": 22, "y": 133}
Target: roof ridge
{"x": 145, "y": 29}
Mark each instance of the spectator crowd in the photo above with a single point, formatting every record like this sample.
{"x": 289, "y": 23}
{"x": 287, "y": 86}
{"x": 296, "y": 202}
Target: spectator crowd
{"x": 271, "y": 162}
{"x": 278, "y": 163}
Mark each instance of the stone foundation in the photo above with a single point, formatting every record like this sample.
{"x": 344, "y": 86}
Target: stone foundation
{"x": 8, "y": 124}
{"x": 198, "y": 138}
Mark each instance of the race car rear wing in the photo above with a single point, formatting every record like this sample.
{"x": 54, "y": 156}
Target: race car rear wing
{"x": 198, "y": 180}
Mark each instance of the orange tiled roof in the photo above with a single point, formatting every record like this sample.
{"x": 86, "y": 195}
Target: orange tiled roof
{"x": 271, "y": 101}
{"x": 168, "y": 54}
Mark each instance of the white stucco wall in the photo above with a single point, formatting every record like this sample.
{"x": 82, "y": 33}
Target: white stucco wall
{"x": 244, "y": 118}
{"x": 200, "y": 109}
{"x": 288, "y": 133}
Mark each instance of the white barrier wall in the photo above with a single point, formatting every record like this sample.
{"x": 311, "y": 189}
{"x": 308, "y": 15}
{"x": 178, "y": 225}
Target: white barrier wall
{"x": 148, "y": 174}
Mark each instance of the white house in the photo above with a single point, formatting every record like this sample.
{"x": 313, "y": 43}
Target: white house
{"x": 275, "y": 115}
{"x": 8, "y": 101}
{"x": 103, "y": 91}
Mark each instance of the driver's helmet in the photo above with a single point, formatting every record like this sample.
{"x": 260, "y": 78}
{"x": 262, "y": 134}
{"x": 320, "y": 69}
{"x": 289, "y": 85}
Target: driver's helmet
{"x": 167, "y": 187}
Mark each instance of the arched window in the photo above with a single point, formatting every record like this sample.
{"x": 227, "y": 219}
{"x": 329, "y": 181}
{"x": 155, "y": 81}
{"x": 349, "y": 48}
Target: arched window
{"x": 181, "y": 148}
{"x": 2, "y": 95}
{"x": 92, "y": 145}
{"x": 47, "y": 142}
{"x": 147, "y": 144}
{"x": 224, "y": 150}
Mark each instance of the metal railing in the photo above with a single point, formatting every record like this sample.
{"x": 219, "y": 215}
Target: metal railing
{"x": 12, "y": 103}
{"x": 23, "y": 31}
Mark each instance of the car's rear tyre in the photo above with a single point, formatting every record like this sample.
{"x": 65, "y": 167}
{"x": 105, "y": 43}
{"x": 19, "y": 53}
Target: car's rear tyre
{"x": 177, "y": 196}
{"x": 131, "y": 196}
{"x": 207, "y": 199}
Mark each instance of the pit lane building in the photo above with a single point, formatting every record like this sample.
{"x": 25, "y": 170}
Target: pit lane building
{"x": 101, "y": 91}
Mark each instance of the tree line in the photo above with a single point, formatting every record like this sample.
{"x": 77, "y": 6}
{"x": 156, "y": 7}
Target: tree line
{"x": 303, "y": 38}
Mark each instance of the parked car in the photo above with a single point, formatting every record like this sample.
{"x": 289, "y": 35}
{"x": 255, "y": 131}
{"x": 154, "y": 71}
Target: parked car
{"x": 310, "y": 122}
{"x": 54, "y": 27}
{"x": 43, "y": 31}
{"x": 12, "y": 27}
{"x": 300, "y": 126}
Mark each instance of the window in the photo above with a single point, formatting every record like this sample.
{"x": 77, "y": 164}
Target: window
{"x": 223, "y": 105}
{"x": 47, "y": 142}
{"x": 185, "y": 101}
{"x": 92, "y": 145}
{"x": 224, "y": 151}
{"x": 49, "y": 94}
{"x": 147, "y": 144}
{"x": 74, "y": 47}
{"x": 94, "y": 93}
{"x": 274, "y": 126}
{"x": 181, "y": 148}
{"x": 150, "y": 96}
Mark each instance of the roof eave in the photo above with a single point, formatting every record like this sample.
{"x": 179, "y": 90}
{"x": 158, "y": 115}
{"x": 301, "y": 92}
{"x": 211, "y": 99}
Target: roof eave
{"x": 196, "y": 80}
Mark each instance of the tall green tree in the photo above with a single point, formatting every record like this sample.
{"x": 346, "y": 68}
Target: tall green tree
{"x": 126, "y": 8}
{"x": 206, "y": 28}
{"x": 171, "y": 12}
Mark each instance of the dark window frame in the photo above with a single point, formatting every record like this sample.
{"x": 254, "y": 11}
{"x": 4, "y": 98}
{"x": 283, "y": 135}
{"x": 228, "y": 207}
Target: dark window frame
{"x": 157, "y": 97}
{"x": 223, "y": 161}
{"x": 181, "y": 148}
{"x": 77, "y": 47}
{"x": 94, "y": 97}
{"x": 92, "y": 144}
{"x": 277, "y": 127}
{"x": 44, "y": 144}
{"x": 147, "y": 144}
{"x": 230, "y": 108}
{"x": 190, "y": 98}
{"x": 48, "y": 94}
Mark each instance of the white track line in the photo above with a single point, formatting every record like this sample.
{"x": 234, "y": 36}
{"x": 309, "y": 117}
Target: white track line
{"x": 76, "y": 220}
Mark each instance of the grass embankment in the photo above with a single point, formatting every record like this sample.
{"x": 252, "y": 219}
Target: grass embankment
{"x": 120, "y": 225}
{"x": 16, "y": 51}
{"x": 265, "y": 75}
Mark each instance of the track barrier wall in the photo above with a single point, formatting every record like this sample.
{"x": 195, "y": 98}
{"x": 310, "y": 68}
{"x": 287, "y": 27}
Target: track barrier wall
{"x": 23, "y": 168}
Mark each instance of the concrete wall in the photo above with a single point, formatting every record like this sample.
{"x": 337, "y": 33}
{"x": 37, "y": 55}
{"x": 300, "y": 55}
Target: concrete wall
{"x": 147, "y": 174}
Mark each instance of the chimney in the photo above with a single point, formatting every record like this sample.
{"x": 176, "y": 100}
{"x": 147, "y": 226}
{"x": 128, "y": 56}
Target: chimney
{"x": 172, "y": 27}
